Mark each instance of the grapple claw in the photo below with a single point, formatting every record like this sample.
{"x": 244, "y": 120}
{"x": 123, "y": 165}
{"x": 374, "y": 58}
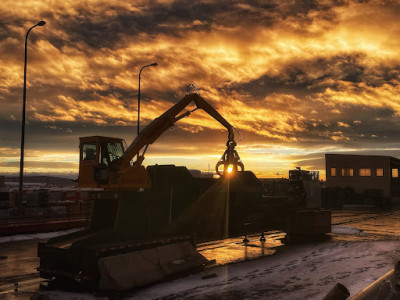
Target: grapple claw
{"x": 230, "y": 160}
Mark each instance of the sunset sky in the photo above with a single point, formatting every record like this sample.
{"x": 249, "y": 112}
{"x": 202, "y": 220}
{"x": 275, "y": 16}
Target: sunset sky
{"x": 297, "y": 79}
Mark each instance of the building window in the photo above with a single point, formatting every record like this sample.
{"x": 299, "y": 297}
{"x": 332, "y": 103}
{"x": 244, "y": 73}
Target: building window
{"x": 347, "y": 172}
{"x": 333, "y": 171}
{"x": 379, "y": 172}
{"x": 365, "y": 172}
{"x": 395, "y": 173}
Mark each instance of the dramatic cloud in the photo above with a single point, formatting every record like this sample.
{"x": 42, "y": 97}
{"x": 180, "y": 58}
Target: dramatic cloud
{"x": 295, "y": 78}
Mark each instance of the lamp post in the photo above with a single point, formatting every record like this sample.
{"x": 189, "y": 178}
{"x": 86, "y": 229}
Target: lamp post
{"x": 138, "y": 111}
{"x": 21, "y": 162}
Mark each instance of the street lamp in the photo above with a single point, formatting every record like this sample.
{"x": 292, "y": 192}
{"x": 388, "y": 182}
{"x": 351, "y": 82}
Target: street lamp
{"x": 138, "y": 111}
{"x": 21, "y": 162}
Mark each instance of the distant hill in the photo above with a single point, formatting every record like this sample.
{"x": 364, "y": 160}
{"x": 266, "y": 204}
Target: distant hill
{"x": 43, "y": 179}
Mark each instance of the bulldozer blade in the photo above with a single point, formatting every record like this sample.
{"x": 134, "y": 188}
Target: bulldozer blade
{"x": 143, "y": 267}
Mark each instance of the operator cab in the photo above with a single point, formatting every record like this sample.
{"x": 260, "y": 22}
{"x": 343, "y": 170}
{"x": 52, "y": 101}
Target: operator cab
{"x": 97, "y": 154}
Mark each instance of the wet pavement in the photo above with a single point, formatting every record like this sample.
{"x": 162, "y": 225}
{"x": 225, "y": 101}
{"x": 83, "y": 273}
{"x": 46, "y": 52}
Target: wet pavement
{"x": 18, "y": 262}
{"x": 18, "y": 259}
{"x": 373, "y": 223}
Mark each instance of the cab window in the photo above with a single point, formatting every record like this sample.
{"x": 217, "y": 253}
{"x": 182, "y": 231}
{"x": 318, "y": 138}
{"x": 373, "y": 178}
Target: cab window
{"x": 89, "y": 151}
{"x": 110, "y": 152}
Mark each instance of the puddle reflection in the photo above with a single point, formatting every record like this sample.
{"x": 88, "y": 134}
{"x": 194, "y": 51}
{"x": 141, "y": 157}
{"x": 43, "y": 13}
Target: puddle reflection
{"x": 235, "y": 250}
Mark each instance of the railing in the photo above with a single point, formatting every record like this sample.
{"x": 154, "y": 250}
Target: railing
{"x": 47, "y": 221}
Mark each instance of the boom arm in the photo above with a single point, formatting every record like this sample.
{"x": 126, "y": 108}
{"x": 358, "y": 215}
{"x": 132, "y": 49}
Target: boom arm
{"x": 161, "y": 124}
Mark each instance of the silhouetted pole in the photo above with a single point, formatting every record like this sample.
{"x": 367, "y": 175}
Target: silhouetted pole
{"x": 138, "y": 110}
{"x": 21, "y": 161}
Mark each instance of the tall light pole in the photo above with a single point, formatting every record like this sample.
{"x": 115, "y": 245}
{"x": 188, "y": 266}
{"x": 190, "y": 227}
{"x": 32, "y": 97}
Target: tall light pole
{"x": 138, "y": 110}
{"x": 21, "y": 161}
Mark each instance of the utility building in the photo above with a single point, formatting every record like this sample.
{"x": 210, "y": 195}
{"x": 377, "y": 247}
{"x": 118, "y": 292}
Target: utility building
{"x": 364, "y": 173}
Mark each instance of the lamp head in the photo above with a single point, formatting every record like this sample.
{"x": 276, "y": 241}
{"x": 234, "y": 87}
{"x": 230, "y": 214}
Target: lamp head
{"x": 154, "y": 64}
{"x": 41, "y": 23}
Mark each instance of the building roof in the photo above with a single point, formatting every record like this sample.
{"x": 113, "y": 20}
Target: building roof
{"x": 362, "y": 155}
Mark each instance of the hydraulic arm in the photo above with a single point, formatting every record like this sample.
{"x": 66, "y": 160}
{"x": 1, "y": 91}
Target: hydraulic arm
{"x": 230, "y": 159}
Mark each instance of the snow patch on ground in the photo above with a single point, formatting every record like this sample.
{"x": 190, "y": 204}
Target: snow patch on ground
{"x": 338, "y": 229}
{"x": 299, "y": 272}
{"x": 36, "y": 236}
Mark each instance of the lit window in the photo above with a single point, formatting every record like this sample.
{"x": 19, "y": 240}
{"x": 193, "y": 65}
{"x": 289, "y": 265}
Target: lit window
{"x": 395, "y": 173}
{"x": 365, "y": 172}
{"x": 333, "y": 171}
{"x": 347, "y": 172}
{"x": 379, "y": 172}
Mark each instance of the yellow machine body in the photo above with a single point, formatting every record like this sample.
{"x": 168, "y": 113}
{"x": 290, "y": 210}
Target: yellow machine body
{"x": 97, "y": 155}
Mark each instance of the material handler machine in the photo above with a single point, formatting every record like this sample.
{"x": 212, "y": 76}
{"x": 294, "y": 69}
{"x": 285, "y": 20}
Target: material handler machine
{"x": 146, "y": 221}
{"x": 131, "y": 240}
